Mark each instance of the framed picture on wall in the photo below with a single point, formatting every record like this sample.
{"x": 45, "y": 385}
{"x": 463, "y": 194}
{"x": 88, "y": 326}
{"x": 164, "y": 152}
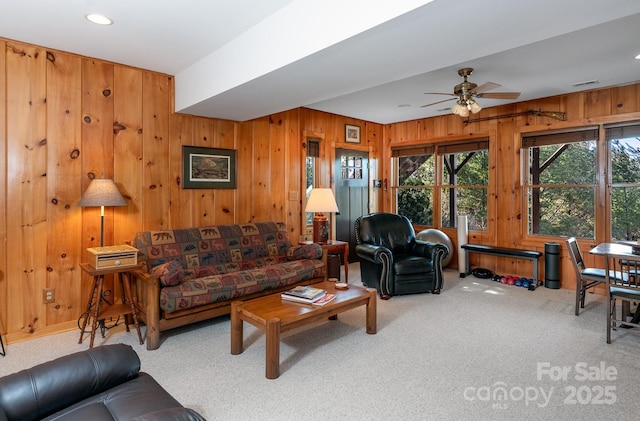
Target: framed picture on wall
{"x": 208, "y": 168}
{"x": 351, "y": 133}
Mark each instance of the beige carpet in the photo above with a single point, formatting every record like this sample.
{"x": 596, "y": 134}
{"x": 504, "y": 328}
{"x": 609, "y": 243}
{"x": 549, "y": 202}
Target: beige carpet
{"x": 478, "y": 351}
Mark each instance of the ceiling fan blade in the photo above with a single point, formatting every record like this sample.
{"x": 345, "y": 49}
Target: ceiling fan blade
{"x": 438, "y": 102}
{"x": 500, "y": 95}
{"x": 439, "y": 93}
{"x": 485, "y": 87}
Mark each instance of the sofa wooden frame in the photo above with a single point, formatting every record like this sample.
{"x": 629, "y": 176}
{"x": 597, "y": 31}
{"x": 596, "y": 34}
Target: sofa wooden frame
{"x": 145, "y": 289}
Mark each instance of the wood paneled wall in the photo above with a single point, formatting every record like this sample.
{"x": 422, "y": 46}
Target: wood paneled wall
{"x": 506, "y": 206}
{"x": 65, "y": 119}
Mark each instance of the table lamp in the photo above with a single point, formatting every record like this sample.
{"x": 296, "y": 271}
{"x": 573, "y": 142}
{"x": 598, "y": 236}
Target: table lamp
{"x": 321, "y": 200}
{"x": 102, "y": 192}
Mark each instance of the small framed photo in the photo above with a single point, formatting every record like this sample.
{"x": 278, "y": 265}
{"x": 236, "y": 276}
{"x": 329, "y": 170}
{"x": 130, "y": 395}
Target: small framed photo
{"x": 351, "y": 133}
{"x": 208, "y": 168}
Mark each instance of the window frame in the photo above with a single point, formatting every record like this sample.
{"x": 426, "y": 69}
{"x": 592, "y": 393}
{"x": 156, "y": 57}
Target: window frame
{"x": 439, "y": 148}
{"x": 575, "y": 134}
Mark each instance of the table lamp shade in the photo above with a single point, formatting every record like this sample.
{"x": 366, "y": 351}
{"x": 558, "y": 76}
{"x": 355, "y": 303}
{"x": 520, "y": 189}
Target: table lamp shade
{"x": 102, "y": 192}
{"x": 321, "y": 200}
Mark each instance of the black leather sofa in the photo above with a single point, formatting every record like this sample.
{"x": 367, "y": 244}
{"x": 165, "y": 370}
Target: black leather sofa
{"x": 102, "y": 383}
{"x": 392, "y": 260}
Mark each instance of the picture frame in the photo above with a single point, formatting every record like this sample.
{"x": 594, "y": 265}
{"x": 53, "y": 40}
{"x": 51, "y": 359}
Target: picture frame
{"x": 208, "y": 168}
{"x": 351, "y": 133}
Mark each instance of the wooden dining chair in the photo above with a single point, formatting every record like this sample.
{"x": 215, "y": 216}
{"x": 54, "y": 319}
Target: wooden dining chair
{"x": 586, "y": 277}
{"x": 623, "y": 292}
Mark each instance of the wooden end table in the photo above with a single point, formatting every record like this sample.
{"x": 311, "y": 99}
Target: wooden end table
{"x": 94, "y": 306}
{"x": 336, "y": 247}
{"x": 273, "y": 315}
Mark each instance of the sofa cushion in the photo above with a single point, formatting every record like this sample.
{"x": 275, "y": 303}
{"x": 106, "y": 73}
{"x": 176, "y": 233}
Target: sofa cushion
{"x": 222, "y": 287}
{"x": 170, "y": 273}
{"x": 215, "y": 245}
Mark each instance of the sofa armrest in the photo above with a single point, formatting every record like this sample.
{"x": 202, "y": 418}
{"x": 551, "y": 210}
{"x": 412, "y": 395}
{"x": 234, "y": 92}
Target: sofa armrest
{"x": 146, "y": 288}
{"x": 172, "y": 414}
{"x": 304, "y": 251}
{"x": 42, "y": 390}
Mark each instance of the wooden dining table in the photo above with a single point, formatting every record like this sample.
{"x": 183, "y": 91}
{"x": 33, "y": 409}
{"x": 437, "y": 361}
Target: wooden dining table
{"x": 620, "y": 254}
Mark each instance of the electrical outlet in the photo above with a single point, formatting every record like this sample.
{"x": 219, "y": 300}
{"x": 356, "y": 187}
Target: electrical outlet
{"x": 48, "y": 295}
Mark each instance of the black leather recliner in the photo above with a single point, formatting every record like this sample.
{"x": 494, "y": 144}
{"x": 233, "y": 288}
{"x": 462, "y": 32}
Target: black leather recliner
{"x": 102, "y": 383}
{"x": 392, "y": 260}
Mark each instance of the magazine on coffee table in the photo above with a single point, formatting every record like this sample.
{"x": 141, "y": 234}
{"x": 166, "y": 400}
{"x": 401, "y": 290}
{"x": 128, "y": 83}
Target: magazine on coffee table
{"x": 304, "y": 292}
{"x": 324, "y": 300}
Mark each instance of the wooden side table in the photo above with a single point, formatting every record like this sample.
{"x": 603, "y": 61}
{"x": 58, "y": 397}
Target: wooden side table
{"x": 339, "y": 247}
{"x": 124, "y": 308}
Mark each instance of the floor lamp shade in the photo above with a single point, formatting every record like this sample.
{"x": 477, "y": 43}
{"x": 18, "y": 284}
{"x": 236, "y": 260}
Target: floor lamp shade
{"x": 321, "y": 201}
{"x": 102, "y": 192}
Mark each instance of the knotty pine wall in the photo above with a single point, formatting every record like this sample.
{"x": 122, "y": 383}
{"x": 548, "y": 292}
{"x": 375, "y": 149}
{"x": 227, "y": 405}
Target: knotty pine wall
{"x": 65, "y": 119}
{"x": 507, "y": 210}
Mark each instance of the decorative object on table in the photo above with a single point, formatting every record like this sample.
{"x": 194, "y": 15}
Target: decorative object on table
{"x": 321, "y": 201}
{"x": 112, "y": 256}
{"x": 342, "y": 285}
{"x": 102, "y": 192}
{"x": 351, "y": 133}
{"x": 208, "y": 168}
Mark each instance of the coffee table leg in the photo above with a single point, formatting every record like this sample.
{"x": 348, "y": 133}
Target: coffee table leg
{"x": 236, "y": 329}
{"x": 273, "y": 349}
{"x": 372, "y": 327}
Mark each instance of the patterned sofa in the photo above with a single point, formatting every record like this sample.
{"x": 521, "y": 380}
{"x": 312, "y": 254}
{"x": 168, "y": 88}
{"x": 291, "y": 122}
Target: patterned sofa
{"x": 193, "y": 274}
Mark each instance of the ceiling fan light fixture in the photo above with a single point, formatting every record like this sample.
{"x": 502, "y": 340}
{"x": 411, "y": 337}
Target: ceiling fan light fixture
{"x": 473, "y": 106}
{"x": 459, "y": 109}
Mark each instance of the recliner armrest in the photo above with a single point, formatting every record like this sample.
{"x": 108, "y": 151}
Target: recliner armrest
{"x": 372, "y": 252}
{"x": 428, "y": 249}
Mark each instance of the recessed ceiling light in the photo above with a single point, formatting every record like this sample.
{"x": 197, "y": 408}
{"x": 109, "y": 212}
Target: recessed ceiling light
{"x": 404, "y": 105}
{"x": 99, "y": 19}
{"x": 638, "y": 57}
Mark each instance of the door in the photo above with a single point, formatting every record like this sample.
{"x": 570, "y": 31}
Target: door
{"x": 352, "y": 194}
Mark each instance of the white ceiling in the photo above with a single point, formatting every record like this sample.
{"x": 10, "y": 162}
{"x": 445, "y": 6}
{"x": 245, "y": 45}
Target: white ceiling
{"x": 367, "y": 59}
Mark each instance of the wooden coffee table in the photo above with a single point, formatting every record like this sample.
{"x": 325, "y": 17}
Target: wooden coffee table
{"x": 273, "y": 315}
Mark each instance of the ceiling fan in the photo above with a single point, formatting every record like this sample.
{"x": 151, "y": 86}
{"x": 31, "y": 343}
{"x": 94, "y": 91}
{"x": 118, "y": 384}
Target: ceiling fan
{"x": 466, "y": 93}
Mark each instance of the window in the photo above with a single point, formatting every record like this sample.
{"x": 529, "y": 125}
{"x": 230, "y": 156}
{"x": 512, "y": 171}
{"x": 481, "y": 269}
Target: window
{"x": 561, "y": 182}
{"x": 624, "y": 154}
{"x": 461, "y": 189}
{"x": 415, "y": 178}
{"x": 313, "y": 152}
{"x": 465, "y": 183}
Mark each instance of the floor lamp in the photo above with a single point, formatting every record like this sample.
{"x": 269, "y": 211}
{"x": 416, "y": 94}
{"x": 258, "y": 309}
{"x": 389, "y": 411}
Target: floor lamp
{"x": 321, "y": 200}
{"x": 102, "y": 192}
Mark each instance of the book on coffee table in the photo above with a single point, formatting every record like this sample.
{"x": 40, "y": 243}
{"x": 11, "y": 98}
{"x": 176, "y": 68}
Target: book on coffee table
{"x": 324, "y": 300}
{"x": 304, "y": 292}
